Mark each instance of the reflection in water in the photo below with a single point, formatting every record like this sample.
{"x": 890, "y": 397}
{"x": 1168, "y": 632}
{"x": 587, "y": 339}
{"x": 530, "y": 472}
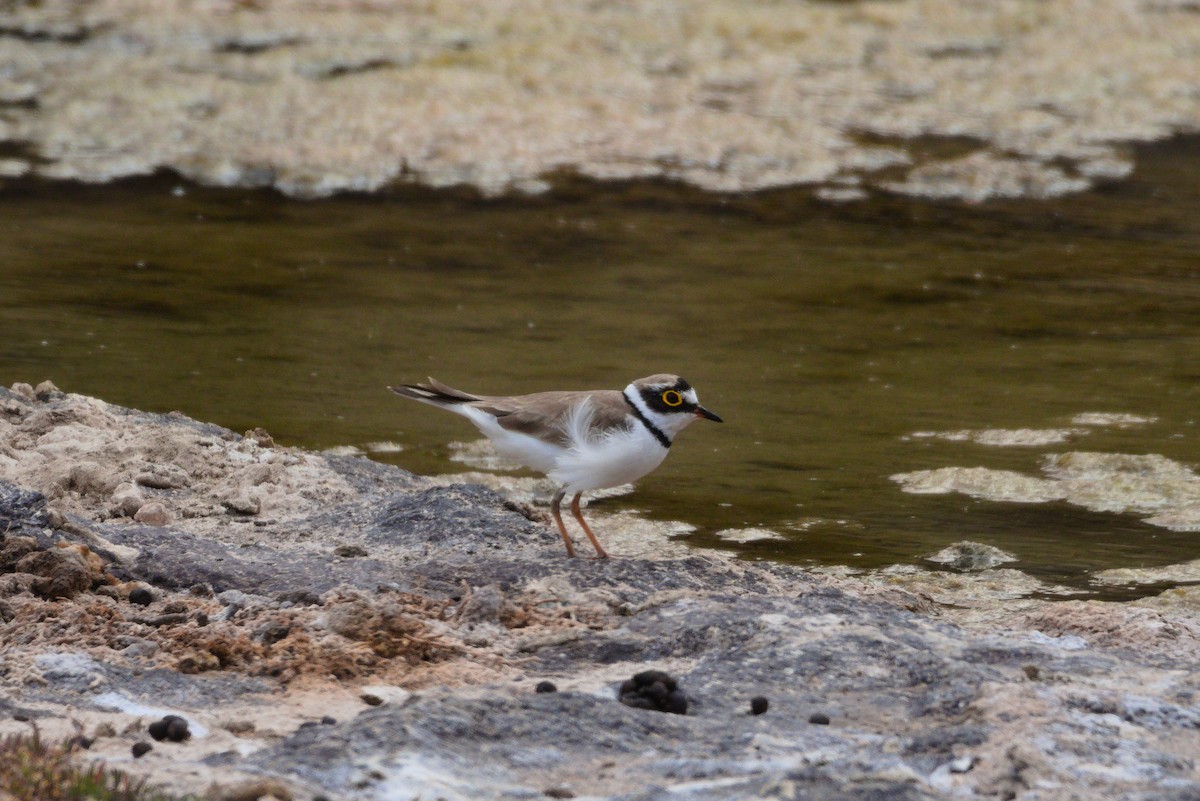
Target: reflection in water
{"x": 840, "y": 343}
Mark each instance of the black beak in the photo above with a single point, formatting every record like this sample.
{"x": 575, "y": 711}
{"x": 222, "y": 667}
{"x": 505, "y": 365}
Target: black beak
{"x": 707, "y": 415}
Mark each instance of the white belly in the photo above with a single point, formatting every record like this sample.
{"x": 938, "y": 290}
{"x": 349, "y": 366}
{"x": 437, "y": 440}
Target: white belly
{"x": 620, "y": 458}
{"x": 592, "y": 462}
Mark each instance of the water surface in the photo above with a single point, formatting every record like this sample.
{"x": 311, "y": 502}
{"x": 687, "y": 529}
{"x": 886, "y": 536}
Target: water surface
{"x": 824, "y": 335}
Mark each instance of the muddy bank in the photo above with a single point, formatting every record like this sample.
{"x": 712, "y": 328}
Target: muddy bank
{"x": 1018, "y": 99}
{"x": 350, "y": 630}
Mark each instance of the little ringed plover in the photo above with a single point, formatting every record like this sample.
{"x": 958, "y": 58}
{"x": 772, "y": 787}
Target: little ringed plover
{"x": 584, "y": 440}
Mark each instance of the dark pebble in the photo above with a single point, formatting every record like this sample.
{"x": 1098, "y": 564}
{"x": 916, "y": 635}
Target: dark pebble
{"x": 141, "y": 596}
{"x": 82, "y": 742}
{"x": 158, "y": 730}
{"x": 350, "y": 551}
{"x": 309, "y": 724}
{"x": 177, "y": 729}
{"x": 201, "y": 618}
{"x": 328, "y": 721}
{"x": 653, "y": 689}
{"x": 648, "y": 677}
{"x": 677, "y": 702}
{"x": 758, "y": 704}
{"x": 558, "y": 792}
{"x": 141, "y": 749}
{"x": 819, "y": 718}
{"x": 545, "y": 687}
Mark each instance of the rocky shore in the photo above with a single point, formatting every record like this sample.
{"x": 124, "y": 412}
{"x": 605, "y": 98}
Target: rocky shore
{"x": 332, "y": 627}
{"x": 931, "y": 98}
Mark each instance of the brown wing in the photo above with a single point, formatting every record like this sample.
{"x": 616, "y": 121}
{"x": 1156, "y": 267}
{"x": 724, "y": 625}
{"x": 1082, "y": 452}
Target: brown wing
{"x": 541, "y": 415}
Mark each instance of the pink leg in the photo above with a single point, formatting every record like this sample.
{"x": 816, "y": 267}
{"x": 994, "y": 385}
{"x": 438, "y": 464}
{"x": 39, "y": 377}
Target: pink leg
{"x": 600, "y": 554}
{"x": 554, "y": 510}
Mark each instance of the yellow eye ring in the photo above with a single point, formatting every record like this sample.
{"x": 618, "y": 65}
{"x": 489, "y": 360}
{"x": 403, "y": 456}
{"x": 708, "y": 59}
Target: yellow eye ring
{"x": 672, "y": 398}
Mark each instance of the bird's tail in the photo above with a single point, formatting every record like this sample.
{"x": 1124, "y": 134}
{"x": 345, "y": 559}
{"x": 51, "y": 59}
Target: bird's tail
{"x": 434, "y": 393}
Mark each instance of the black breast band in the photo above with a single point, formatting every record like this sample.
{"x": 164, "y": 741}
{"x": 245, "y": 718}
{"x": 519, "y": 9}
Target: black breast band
{"x": 644, "y": 420}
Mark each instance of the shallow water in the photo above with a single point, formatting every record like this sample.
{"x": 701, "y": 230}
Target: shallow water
{"x": 824, "y": 335}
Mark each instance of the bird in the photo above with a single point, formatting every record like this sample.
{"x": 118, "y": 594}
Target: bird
{"x": 582, "y": 440}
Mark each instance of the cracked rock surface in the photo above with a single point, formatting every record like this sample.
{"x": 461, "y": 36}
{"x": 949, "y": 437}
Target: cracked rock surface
{"x": 369, "y": 634}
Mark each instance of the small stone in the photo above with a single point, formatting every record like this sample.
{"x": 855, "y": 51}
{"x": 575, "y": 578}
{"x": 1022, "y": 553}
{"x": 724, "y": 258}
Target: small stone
{"x": 545, "y": 687}
{"x": 177, "y": 728}
{"x": 653, "y": 689}
{"x": 141, "y": 749}
{"x": 759, "y": 704}
{"x": 153, "y": 514}
{"x": 158, "y": 730}
{"x": 819, "y": 719}
{"x": 127, "y": 499}
{"x": 349, "y": 551}
{"x": 1032, "y": 672}
{"x": 7, "y": 613}
{"x": 23, "y": 390}
{"x": 328, "y": 720}
{"x": 370, "y": 699}
{"x": 46, "y": 391}
{"x": 141, "y": 596}
{"x": 558, "y": 792}
{"x": 243, "y": 503}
